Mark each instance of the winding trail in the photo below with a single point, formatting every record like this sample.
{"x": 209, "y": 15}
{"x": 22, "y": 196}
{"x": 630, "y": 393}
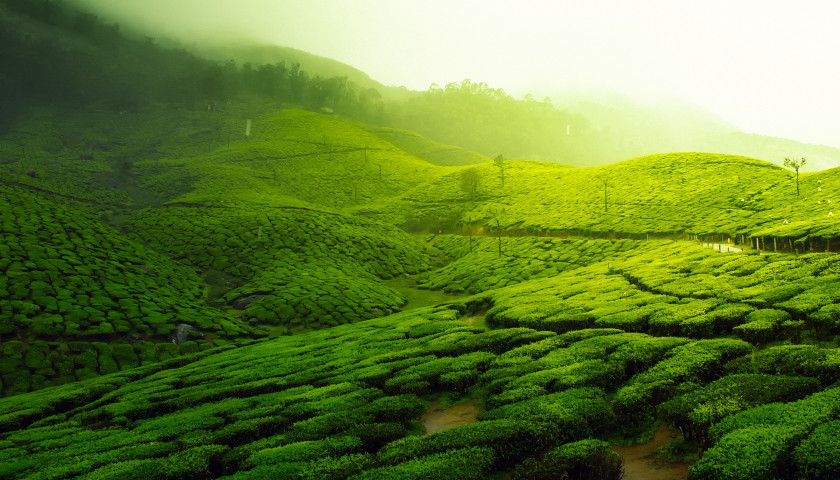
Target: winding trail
{"x": 436, "y": 419}
{"x": 640, "y": 463}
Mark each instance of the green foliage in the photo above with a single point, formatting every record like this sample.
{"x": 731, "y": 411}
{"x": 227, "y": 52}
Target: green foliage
{"x": 818, "y": 456}
{"x": 300, "y": 269}
{"x": 762, "y": 325}
{"x": 754, "y": 452}
{"x": 467, "y": 464}
{"x": 695, "y": 412}
{"x": 759, "y": 442}
{"x": 696, "y": 362}
{"x": 799, "y": 360}
{"x": 582, "y": 460}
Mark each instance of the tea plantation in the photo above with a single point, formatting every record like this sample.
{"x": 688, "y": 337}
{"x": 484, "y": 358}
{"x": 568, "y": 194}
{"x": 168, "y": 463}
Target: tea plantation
{"x": 78, "y": 299}
{"x": 193, "y": 302}
{"x": 293, "y": 267}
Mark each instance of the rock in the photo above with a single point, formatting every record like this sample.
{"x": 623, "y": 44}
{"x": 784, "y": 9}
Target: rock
{"x": 244, "y": 302}
{"x": 182, "y": 333}
{"x": 32, "y": 173}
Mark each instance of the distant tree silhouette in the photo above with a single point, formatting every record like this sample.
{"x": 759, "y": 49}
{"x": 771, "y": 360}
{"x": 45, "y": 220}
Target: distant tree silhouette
{"x": 468, "y": 218}
{"x": 499, "y": 161}
{"x": 470, "y": 180}
{"x": 606, "y": 181}
{"x": 796, "y": 165}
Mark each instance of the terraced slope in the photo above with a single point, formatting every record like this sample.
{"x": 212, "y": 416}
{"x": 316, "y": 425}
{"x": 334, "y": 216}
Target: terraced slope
{"x": 307, "y": 156}
{"x": 289, "y": 267}
{"x": 696, "y": 193}
{"x": 340, "y": 403}
{"x": 73, "y": 290}
{"x": 479, "y": 267}
{"x": 679, "y": 288}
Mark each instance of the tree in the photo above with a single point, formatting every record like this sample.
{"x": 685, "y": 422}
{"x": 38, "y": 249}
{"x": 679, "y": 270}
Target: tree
{"x": 606, "y": 181}
{"x": 496, "y": 216}
{"x": 499, "y": 161}
{"x": 468, "y": 219}
{"x": 470, "y": 179}
{"x": 796, "y": 165}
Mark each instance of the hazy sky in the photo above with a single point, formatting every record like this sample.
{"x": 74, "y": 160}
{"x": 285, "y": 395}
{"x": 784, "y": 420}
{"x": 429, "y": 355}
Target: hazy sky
{"x": 770, "y": 67}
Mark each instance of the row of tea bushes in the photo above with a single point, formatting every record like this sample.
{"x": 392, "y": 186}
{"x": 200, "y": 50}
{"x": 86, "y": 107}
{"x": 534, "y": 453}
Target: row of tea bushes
{"x": 793, "y": 360}
{"x": 604, "y": 358}
{"x": 313, "y": 158}
{"x": 342, "y": 403}
{"x": 776, "y": 440}
{"x": 660, "y": 194}
{"x": 297, "y": 268}
{"x": 693, "y": 413}
{"x": 315, "y": 295}
{"x": 67, "y": 275}
{"x": 523, "y": 258}
{"x": 34, "y": 365}
{"x": 332, "y": 403}
{"x": 681, "y": 289}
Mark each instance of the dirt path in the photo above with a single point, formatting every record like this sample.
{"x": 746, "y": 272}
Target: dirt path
{"x": 436, "y": 419}
{"x": 418, "y": 297}
{"x": 723, "y": 247}
{"x": 641, "y": 464}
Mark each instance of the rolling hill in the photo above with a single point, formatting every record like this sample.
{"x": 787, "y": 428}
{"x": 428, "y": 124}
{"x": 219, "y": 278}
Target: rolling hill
{"x": 193, "y": 290}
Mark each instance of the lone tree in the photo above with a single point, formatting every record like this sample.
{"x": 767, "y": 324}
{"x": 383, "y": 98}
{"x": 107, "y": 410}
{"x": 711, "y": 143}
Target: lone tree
{"x": 499, "y": 161}
{"x": 468, "y": 219}
{"x": 606, "y": 181}
{"x": 796, "y": 165}
{"x": 470, "y": 179}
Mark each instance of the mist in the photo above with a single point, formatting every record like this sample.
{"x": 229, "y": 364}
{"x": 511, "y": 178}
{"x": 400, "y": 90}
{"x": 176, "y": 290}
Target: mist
{"x": 764, "y": 66}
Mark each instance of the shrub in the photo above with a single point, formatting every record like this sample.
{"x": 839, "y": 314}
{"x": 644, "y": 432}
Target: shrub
{"x": 800, "y": 360}
{"x": 577, "y": 412}
{"x": 581, "y": 460}
{"x": 762, "y": 325}
{"x": 510, "y": 440}
{"x": 818, "y": 456}
{"x": 827, "y": 319}
{"x": 305, "y": 451}
{"x": 473, "y": 463}
{"x": 747, "y": 454}
{"x": 696, "y": 362}
{"x": 694, "y": 412}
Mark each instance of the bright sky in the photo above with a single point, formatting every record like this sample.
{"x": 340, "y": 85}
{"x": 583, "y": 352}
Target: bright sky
{"x": 769, "y": 67}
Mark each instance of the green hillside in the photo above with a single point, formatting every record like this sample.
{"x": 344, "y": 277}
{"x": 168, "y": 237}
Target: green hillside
{"x": 291, "y": 153}
{"x": 197, "y": 287}
{"x": 78, "y": 299}
{"x": 678, "y": 194}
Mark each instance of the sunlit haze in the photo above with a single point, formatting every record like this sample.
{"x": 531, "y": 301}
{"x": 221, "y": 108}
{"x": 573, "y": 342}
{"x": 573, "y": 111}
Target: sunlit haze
{"x": 769, "y": 67}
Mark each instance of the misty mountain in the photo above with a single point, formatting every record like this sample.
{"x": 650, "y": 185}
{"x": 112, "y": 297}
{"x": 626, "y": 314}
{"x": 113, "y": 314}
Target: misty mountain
{"x": 270, "y": 54}
{"x": 71, "y": 58}
{"x": 635, "y": 128}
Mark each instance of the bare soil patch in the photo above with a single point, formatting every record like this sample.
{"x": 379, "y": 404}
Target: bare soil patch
{"x": 436, "y": 418}
{"x": 641, "y": 463}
